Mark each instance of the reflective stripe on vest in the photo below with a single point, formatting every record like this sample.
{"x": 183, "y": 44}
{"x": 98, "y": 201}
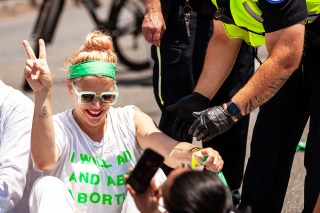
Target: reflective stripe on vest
{"x": 246, "y": 14}
{"x": 252, "y": 13}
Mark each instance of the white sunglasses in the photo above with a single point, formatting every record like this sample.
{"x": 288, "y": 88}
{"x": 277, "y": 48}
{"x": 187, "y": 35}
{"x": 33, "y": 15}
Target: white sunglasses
{"x": 87, "y": 97}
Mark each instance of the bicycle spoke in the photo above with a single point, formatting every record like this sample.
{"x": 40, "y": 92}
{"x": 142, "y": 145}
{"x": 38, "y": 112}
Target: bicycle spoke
{"x": 128, "y": 38}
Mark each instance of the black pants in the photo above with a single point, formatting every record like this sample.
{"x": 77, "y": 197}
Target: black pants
{"x": 278, "y": 129}
{"x": 182, "y": 59}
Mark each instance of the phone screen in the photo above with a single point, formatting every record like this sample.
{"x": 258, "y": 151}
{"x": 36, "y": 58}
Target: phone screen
{"x": 145, "y": 169}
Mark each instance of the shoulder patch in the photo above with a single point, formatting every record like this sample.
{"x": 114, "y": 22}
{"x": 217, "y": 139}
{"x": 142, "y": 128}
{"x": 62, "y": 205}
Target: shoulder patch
{"x": 275, "y": 1}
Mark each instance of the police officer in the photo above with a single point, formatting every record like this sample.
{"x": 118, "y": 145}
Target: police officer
{"x": 286, "y": 86}
{"x": 184, "y": 28}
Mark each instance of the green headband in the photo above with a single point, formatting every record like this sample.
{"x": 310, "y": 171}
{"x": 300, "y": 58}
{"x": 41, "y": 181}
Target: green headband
{"x": 93, "y": 67}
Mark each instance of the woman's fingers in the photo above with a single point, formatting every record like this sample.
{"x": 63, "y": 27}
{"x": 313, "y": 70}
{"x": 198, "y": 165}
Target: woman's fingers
{"x": 27, "y": 71}
{"x": 29, "y": 50}
{"x": 214, "y": 161}
{"x": 29, "y": 63}
{"x": 42, "y": 49}
{"x": 131, "y": 190}
{"x": 217, "y": 164}
{"x": 30, "y": 69}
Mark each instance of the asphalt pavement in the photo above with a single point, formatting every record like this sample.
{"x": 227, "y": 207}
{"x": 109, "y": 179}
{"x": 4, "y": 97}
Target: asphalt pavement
{"x": 134, "y": 87}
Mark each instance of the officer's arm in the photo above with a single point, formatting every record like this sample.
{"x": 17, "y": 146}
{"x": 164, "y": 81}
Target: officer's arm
{"x": 220, "y": 57}
{"x": 285, "y": 49}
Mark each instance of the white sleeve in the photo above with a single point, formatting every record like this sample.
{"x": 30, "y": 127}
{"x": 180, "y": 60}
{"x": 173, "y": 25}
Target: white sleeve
{"x": 16, "y": 121}
{"x": 60, "y": 138}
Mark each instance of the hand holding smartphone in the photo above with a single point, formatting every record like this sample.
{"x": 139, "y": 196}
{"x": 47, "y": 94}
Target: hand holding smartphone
{"x": 145, "y": 169}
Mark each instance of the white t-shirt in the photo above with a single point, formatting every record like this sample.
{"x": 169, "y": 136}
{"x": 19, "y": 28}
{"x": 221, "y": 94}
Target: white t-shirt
{"x": 92, "y": 171}
{"x": 16, "y": 173}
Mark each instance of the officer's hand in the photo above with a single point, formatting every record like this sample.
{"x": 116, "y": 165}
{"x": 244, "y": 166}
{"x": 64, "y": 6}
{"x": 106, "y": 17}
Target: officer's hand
{"x": 210, "y": 123}
{"x": 153, "y": 25}
{"x": 186, "y": 106}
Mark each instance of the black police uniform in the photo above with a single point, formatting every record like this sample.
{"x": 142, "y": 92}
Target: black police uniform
{"x": 182, "y": 59}
{"x": 281, "y": 121}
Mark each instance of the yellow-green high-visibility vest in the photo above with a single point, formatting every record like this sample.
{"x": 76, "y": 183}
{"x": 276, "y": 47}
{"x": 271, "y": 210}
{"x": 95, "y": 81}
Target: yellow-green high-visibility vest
{"x": 247, "y": 15}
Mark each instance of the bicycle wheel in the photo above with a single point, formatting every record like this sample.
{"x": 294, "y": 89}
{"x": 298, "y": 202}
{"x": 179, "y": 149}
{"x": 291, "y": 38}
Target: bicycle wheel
{"x": 129, "y": 43}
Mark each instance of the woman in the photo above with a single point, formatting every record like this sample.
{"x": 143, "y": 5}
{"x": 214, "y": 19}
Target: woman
{"x": 89, "y": 148}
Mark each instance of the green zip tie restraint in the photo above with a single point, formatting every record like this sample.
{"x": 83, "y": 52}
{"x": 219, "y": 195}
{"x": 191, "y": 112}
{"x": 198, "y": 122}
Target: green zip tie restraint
{"x": 301, "y": 146}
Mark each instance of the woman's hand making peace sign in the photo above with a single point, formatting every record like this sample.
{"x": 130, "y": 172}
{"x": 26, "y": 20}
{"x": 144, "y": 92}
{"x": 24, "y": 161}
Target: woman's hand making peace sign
{"x": 37, "y": 71}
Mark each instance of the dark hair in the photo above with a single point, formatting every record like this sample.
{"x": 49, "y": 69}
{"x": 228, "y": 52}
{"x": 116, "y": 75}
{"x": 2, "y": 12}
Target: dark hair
{"x": 197, "y": 192}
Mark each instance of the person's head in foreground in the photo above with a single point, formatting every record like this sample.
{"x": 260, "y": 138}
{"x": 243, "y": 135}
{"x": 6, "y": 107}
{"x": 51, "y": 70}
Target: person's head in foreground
{"x": 186, "y": 191}
{"x": 195, "y": 191}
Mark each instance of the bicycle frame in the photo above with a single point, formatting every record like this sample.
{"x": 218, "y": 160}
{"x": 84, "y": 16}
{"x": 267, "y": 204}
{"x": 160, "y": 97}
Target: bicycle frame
{"x": 90, "y": 6}
{"x": 39, "y": 28}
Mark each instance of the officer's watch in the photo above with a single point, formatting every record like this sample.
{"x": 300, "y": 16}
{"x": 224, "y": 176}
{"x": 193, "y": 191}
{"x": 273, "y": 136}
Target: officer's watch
{"x": 234, "y": 110}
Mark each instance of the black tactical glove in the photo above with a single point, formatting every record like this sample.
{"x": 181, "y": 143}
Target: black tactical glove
{"x": 186, "y": 106}
{"x": 210, "y": 123}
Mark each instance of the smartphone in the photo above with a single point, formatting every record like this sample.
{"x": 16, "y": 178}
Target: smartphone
{"x": 145, "y": 169}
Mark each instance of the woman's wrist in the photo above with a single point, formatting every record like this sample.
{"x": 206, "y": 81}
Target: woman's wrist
{"x": 194, "y": 162}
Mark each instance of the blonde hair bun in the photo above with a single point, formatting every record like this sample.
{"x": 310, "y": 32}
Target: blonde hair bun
{"x": 98, "y": 46}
